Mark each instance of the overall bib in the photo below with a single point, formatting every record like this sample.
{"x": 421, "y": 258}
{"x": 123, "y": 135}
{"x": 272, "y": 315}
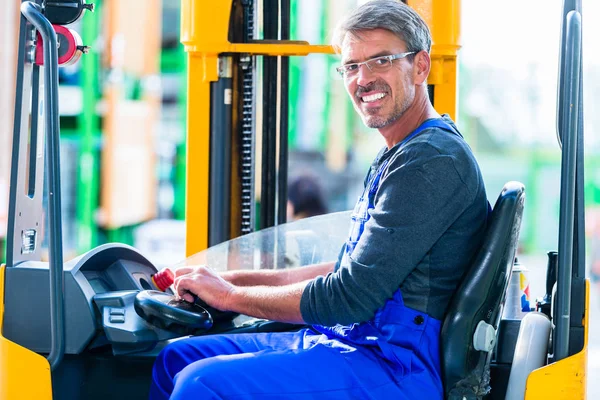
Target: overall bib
{"x": 395, "y": 355}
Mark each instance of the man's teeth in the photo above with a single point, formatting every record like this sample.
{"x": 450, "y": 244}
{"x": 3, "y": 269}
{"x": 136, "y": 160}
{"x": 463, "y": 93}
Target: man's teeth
{"x": 372, "y": 97}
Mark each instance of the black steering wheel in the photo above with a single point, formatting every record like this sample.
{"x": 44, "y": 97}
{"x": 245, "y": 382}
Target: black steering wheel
{"x": 165, "y": 312}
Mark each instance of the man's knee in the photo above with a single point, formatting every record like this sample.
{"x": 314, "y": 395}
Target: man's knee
{"x": 175, "y": 357}
{"x": 171, "y": 359}
{"x": 204, "y": 379}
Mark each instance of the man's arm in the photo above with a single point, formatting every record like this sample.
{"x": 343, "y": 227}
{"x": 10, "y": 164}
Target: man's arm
{"x": 273, "y": 303}
{"x": 279, "y": 277}
{"x": 268, "y": 277}
{"x": 270, "y": 302}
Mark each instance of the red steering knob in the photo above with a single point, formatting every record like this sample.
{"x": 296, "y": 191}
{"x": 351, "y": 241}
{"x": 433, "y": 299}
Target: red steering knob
{"x": 163, "y": 279}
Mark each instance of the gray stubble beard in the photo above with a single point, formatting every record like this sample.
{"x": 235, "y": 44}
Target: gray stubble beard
{"x": 379, "y": 122}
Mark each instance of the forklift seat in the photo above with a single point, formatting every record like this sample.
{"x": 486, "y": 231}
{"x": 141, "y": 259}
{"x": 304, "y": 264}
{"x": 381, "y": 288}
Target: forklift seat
{"x": 469, "y": 329}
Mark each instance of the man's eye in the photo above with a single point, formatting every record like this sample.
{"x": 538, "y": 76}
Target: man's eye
{"x": 381, "y": 61}
{"x": 351, "y": 67}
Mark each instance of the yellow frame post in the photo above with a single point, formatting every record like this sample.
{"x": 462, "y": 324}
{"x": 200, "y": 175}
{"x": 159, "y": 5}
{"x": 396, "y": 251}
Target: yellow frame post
{"x": 205, "y": 36}
{"x": 565, "y": 379}
{"x": 443, "y": 18}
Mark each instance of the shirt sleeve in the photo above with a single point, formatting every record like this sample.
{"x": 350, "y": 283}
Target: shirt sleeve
{"x": 417, "y": 201}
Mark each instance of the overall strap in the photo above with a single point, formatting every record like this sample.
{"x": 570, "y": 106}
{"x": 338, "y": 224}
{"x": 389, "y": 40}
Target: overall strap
{"x": 433, "y": 123}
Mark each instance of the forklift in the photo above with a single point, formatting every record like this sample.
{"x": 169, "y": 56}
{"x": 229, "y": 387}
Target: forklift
{"x": 92, "y": 327}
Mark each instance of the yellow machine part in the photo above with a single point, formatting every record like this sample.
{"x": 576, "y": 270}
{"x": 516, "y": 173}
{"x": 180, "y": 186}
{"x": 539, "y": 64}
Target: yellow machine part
{"x": 443, "y": 19}
{"x": 24, "y": 375}
{"x": 567, "y": 378}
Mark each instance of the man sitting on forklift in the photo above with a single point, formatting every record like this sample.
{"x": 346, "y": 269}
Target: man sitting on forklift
{"x": 376, "y": 314}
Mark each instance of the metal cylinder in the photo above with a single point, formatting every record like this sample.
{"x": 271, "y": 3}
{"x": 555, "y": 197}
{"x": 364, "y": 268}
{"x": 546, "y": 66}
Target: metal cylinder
{"x": 531, "y": 353}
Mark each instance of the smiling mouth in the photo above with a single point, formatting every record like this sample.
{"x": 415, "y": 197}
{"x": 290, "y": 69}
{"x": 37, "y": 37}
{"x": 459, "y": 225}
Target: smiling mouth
{"x": 372, "y": 97}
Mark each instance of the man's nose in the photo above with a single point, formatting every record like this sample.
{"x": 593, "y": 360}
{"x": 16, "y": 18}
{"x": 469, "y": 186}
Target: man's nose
{"x": 364, "y": 75}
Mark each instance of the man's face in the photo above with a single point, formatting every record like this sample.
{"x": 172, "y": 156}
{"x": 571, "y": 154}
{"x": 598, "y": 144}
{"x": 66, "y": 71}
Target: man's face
{"x": 379, "y": 97}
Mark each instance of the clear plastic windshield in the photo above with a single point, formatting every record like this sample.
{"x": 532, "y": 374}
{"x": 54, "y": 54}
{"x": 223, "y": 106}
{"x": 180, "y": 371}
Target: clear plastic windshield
{"x": 304, "y": 242}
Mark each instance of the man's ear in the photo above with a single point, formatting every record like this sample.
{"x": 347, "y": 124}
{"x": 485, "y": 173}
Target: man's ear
{"x": 421, "y": 67}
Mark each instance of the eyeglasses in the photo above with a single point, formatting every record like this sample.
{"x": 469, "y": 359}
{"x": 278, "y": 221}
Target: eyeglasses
{"x": 377, "y": 64}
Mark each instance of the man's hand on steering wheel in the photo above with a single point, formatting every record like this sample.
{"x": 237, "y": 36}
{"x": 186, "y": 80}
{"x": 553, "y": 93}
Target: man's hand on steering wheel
{"x": 186, "y": 270}
{"x": 204, "y": 283}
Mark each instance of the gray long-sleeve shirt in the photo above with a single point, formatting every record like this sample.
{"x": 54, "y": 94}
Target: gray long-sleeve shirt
{"x": 430, "y": 211}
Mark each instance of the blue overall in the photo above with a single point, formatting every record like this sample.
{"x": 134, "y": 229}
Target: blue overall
{"x": 395, "y": 355}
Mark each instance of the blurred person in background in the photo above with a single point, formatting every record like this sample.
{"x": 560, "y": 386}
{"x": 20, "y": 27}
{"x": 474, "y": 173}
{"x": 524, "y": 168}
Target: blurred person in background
{"x": 305, "y": 198}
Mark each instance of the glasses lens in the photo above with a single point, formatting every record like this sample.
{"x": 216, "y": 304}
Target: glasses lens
{"x": 348, "y": 70}
{"x": 380, "y": 64}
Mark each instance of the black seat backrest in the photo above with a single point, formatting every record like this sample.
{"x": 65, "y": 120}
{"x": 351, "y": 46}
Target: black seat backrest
{"x": 479, "y": 298}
